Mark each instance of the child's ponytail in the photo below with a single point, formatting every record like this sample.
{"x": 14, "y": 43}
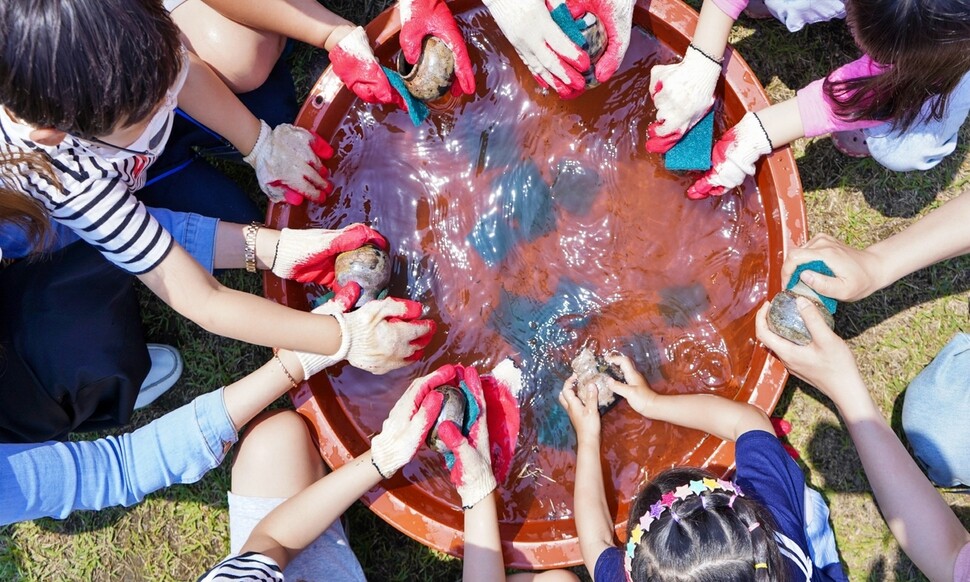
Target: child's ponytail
{"x": 688, "y": 525}
{"x": 925, "y": 45}
{"x": 19, "y": 210}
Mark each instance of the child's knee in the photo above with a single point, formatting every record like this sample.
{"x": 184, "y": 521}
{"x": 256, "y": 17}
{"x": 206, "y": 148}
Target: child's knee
{"x": 272, "y": 436}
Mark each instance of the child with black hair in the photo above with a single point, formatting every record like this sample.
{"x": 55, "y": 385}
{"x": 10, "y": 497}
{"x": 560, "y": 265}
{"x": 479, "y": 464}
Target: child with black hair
{"x": 903, "y": 101}
{"x": 687, "y": 523}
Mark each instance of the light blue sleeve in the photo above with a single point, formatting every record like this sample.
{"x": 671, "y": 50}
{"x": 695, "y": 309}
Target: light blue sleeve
{"x": 196, "y": 233}
{"x": 53, "y": 479}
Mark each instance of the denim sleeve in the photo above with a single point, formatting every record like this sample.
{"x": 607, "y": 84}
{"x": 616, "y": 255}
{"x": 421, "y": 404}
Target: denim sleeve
{"x": 196, "y": 233}
{"x": 53, "y": 479}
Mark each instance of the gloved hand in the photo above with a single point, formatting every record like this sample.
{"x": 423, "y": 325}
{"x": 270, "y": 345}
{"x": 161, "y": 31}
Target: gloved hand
{"x": 354, "y": 63}
{"x": 683, "y": 93}
{"x": 617, "y": 19}
{"x": 409, "y": 421}
{"x": 287, "y": 163}
{"x": 308, "y": 255}
{"x": 554, "y": 60}
{"x": 421, "y": 18}
{"x": 472, "y": 471}
{"x": 385, "y": 334}
{"x": 733, "y": 157}
{"x": 338, "y": 304}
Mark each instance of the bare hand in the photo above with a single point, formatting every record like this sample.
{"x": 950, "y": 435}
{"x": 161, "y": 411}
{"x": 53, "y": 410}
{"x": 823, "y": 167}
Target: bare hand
{"x": 857, "y": 271}
{"x": 636, "y": 390}
{"x": 585, "y": 417}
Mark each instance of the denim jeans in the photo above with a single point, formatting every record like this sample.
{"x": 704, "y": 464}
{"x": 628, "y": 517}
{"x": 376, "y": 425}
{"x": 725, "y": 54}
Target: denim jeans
{"x": 936, "y": 407}
{"x": 53, "y": 479}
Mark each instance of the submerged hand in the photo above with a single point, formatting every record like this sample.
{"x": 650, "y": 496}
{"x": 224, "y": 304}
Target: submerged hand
{"x": 422, "y": 18}
{"x": 636, "y": 390}
{"x": 287, "y": 162}
{"x": 354, "y": 63}
{"x": 585, "y": 417}
{"x": 554, "y": 60}
{"x": 308, "y": 255}
{"x": 683, "y": 93}
{"x": 733, "y": 158}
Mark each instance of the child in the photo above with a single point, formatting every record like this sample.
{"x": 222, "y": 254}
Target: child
{"x": 920, "y": 519}
{"x": 301, "y": 538}
{"x": 53, "y": 479}
{"x": 99, "y": 107}
{"x": 910, "y": 92}
{"x": 766, "y": 525}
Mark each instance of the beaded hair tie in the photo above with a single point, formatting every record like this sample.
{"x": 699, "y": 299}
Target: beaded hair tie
{"x": 666, "y": 502}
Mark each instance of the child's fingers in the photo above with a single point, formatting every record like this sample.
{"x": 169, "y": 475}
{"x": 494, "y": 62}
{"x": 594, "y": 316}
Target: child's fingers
{"x": 567, "y": 396}
{"x": 821, "y": 334}
{"x": 626, "y": 365}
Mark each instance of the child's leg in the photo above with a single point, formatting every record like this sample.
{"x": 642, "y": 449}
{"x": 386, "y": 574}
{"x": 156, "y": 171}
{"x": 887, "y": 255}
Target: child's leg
{"x": 925, "y": 144}
{"x": 936, "y": 407}
{"x": 241, "y": 56}
{"x": 277, "y": 459}
{"x": 549, "y": 576}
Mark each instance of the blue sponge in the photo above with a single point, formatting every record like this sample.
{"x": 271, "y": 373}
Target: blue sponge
{"x": 569, "y": 25}
{"x": 693, "y": 151}
{"x": 818, "y": 267}
{"x": 417, "y": 110}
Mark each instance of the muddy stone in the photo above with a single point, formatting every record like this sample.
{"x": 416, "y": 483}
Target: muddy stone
{"x": 368, "y": 266}
{"x": 452, "y": 408}
{"x": 785, "y": 320}
{"x": 431, "y": 77}
{"x": 592, "y": 370}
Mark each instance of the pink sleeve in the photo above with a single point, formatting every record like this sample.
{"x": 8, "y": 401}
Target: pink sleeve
{"x": 732, "y": 8}
{"x": 816, "y": 109}
{"x": 961, "y": 569}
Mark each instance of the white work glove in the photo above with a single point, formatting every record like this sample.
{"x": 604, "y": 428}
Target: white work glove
{"x": 409, "y": 422}
{"x": 338, "y": 304}
{"x": 554, "y": 60}
{"x": 287, "y": 163}
{"x": 471, "y": 471}
{"x": 734, "y": 156}
{"x": 617, "y": 19}
{"x": 385, "y": 334}
{"x": 308, "y": 255}
{"x": 683, "y": 93}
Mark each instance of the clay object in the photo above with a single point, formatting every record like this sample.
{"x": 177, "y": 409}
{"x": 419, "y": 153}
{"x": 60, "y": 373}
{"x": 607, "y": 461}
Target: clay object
{"x": 595, "y": 35}
{"x": 453, "y": 406}
{"x": 431, "y": 77}
{"x": 368, "y": 266}
{"x": 785, "y": 320}
{"x": 592, "y": 370}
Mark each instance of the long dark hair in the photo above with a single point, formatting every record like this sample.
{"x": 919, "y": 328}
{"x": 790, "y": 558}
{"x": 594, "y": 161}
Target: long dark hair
{"x": 19, "y": 210}
{"x": 704, "y": 537}
{"x": 86, "y": 67}
{"x": 925, "y": 46}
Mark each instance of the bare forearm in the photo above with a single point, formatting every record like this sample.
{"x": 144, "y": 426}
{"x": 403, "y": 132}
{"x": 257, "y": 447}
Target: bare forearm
{"x": 721, "y": 417}
{"x": 593, "y": 522}
{"x": 713, "y": 28}
{"x": 304, "y": 20}
{"x": 925, "y": 526}
{"x": 783, "y": 123}
{"x": 248, "y": 397}
{"x": 299, "y": 520}
{"x": 210, "y": 102}
{"x": 483, "y": 543}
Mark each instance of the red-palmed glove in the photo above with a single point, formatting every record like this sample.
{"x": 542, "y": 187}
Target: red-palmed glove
{"x": 409, "y": 421}
{"x": 354, "y": 63}
{"x": 287, "y": 162}
{"x": 683, "y": 93}
{"x": 421, "y": 18}
{"x": 733, "y": 157}
{"x": 617, "y": 19}
{"x": 471, "y": 472}
{"x": 338, "y": 304}
{"x": 308, "y": 255}
{"x": 385, "y": 334}
{"x": 554, "y": 60}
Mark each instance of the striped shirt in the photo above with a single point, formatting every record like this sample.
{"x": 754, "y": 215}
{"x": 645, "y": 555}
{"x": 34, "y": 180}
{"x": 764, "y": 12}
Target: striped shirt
{"x": 97, "y": 184}
{"x": 251, "y": 566}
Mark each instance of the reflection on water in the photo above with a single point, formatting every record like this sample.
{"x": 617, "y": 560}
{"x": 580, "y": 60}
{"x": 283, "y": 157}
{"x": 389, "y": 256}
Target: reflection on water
{"x": 530, "y": 225}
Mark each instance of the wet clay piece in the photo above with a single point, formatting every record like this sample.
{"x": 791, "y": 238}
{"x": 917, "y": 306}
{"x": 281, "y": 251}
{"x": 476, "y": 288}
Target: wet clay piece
{"x": 368, "y": 266}
{"x": 452, "y": 408}
{"x": 784, "y": 319}
{"x": 592, "y": 371}
{"x": 431, "y": 77}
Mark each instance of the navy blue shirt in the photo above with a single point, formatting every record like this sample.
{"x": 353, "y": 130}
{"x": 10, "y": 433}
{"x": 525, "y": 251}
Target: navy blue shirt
{"x": 767, "y": 474}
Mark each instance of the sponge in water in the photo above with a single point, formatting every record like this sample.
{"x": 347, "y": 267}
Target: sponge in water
{"x": 693, "y": 152}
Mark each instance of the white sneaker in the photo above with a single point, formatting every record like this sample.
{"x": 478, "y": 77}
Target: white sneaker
{"x": 164, "y": 373}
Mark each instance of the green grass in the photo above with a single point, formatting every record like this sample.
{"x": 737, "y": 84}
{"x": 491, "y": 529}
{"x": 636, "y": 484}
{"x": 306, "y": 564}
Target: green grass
{"x": 177, "y": 533}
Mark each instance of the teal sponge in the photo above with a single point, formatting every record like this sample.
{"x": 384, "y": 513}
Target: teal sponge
{"x": 417, "y": 110}
{"x": 693, "y": 151}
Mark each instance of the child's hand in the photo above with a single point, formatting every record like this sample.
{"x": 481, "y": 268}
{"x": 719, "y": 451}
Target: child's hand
{"x": 635, "y": 389}
{"x": 683, "y": 93}
{"x": 409, "y": 421}
{"x": 287, "y": 163}
{"x": 617, "y": 19}
{"x": 421, "y": 18}
{"x": 585, "y": 417}
{"x": 733, "y": 158}
{"x": 857, "y": 270}
{"x": 825, "y": 363}
{"x": 308, "y": 255}
{"x": 354, "y": 63}
{"x": 471, "y": 472}
{"x": 385, "y": 334}
{"x": 338, "y": 304}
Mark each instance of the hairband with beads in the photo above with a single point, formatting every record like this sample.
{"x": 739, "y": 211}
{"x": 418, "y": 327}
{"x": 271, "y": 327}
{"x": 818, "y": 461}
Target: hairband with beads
{"x": 666, "y": 502}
